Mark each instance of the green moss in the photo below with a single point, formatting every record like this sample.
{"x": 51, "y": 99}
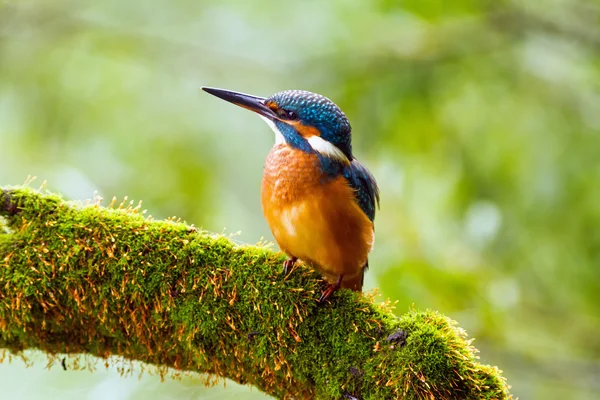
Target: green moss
{"x": 107, "y": 281}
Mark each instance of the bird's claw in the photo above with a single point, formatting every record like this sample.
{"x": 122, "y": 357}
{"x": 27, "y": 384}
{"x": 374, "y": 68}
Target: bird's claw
{"x": 288, "y": 265}
{"x": 331, "y": 288}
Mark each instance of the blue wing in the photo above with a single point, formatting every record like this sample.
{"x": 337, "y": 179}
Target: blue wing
{"x": 365, "y": 188}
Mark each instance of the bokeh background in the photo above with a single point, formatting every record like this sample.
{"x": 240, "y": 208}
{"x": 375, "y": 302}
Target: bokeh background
{"x": 480, "y": 120}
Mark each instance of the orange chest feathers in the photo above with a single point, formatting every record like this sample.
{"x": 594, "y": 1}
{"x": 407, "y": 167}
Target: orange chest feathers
{"x": 289, "y": 175}
{"x": 314, "y": 219}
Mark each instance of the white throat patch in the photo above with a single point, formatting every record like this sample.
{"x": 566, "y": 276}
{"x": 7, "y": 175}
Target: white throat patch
{"x": 327, "y": 149}
{"x": 279, "y": 139}
{"x": 317, "y": 143}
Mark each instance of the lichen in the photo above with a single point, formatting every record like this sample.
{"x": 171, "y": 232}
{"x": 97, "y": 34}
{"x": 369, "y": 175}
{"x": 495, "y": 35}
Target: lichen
{"x": 87, "y": 279}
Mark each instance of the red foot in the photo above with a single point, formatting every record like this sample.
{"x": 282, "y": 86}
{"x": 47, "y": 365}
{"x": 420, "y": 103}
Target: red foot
{"x": 331, "y": 289}
{"x": 288, "y": 265}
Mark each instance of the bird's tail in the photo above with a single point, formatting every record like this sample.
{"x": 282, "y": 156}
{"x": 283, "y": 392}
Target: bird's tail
{"x": 355, "y": 283}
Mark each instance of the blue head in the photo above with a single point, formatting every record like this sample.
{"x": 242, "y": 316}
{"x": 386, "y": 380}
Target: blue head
{"x": 311, "y": 114}
{"x": 301, "y": 119}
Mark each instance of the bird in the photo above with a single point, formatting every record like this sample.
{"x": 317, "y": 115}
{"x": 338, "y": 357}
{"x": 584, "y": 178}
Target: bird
{"x": 318, "y": 199}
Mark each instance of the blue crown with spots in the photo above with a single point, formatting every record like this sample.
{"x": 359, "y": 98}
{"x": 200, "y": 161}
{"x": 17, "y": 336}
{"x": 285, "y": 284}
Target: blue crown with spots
{"x": 318, "y": 111}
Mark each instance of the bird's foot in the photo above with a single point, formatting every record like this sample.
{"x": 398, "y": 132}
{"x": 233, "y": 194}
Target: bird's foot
{"x": 331, "y": 288}
{"x": 288, "y": 265}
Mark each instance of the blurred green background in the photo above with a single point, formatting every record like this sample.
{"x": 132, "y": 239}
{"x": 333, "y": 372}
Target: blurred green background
{"x": 480, "y": 120}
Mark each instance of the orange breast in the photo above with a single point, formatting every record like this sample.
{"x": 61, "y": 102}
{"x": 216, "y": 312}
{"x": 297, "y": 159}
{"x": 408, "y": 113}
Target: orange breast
{"x": 319, "y": 223}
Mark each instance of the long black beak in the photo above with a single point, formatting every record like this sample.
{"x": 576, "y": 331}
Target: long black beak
{"x": 252, "y": 103}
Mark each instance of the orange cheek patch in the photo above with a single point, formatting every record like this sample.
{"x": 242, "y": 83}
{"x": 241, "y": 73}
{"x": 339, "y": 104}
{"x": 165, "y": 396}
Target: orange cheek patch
{"x": 305, "y": 130}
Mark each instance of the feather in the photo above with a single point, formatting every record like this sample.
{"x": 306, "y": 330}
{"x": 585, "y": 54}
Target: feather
{"x": 366, "y": 192}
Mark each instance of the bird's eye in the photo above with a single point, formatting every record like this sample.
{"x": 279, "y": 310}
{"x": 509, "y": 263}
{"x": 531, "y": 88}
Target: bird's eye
{"x": 287, "y": 114}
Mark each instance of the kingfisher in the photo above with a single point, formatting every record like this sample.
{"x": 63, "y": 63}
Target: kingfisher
{"x": 317, "y": 198}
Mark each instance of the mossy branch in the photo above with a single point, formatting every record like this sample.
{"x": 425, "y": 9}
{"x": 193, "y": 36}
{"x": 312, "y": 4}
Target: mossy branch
{"x": 107, "y": 281}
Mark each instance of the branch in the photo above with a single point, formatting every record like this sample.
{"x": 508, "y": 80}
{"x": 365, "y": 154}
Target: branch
{"x": 106, "y": 281}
